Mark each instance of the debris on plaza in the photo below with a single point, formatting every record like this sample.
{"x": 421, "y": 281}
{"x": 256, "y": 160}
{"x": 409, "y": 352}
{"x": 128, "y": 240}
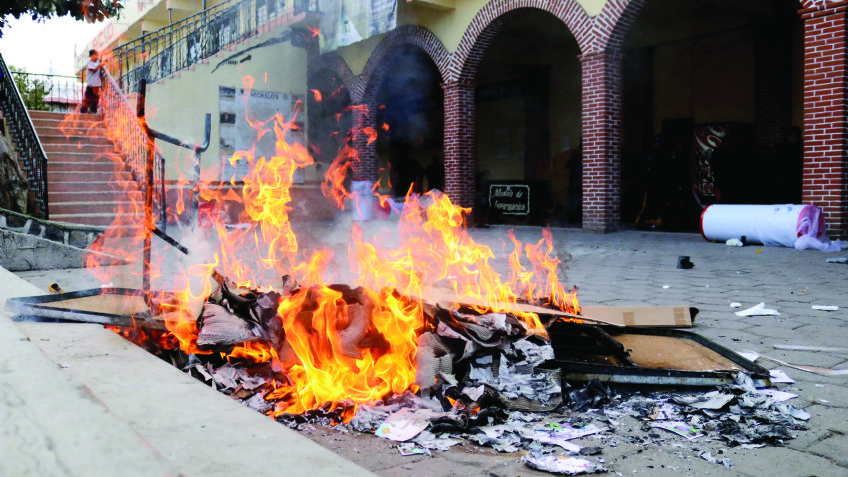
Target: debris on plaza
{"x": 489, "y": 379}
{"x": 825, "y": 307}
{"x": 758, "y": 310}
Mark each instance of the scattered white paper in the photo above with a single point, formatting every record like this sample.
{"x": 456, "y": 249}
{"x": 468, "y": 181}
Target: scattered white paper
{"x": 809, "y": 369}
{"x": 712, "y": 400}
{"x": 811, "y": 348}
{"x": 411, "y": 449}
{"x": 758, "y": 310}
{"x": 734, "y": 243}
{"x": 679, "y": 428}
{"x": 562, "y": 465}
{"x": 780, "y": 376}
{"x": 749, "y": 355}
{"x": 474, "y": 393}
{"x": 736, "y": 304}
{"x": 567, "y": 432}
{"x": 777, "y": 396}
{"x": 402, "y": 426}
{"x": 825, "y": 307}
{"x": 666, "y": 286}
{"x": 546, "y": 438}
{"x": 837, "y": 260}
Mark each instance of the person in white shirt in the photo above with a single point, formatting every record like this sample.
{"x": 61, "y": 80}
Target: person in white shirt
{"x": 92, "y": 83}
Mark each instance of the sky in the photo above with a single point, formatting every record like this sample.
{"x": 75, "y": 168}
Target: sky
{"x": 46, "y": 46}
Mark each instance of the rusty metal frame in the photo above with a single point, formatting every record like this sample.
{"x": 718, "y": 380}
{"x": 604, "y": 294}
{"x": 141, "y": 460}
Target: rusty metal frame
{"x": 41, "y": 307}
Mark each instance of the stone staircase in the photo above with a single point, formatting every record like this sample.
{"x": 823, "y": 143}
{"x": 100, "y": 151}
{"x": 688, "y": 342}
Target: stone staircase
{"x": 87, "y": 181}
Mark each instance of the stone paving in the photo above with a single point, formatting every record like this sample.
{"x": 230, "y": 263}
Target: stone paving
{"x": 639, "y": 268}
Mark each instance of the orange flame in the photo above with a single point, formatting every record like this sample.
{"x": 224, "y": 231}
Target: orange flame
{"x": 333, "y": 350}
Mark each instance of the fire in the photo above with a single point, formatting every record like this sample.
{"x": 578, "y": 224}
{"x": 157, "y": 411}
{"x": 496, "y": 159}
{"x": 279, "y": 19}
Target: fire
{"x": 336, "y": 346}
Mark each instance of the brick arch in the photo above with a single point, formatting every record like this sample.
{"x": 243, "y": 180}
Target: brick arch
{"x": 613, "y": 23}
{"x": 371, "y": 77}
{"x": 817, "y": 4}
{"x": 491, "y": 18}
{"x": 336, "y": 64}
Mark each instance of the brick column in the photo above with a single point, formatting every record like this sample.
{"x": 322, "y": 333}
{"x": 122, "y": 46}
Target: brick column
{"x": 367, "y": 168}
{"x": 460, "y": 163}
{"x": 825, "y": 108}
{"x": 601, "y": 140}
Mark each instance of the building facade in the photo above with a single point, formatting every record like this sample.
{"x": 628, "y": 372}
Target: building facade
{"x": 606, "y": 111}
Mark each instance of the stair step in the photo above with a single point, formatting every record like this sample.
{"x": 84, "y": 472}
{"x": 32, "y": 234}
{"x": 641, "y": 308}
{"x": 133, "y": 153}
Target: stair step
{"x": 96, "y": 219}
{"x": 93, "y": 196}
{"x": 85, "y": 157}
{"x": 95, "y": 130}
{"x": 70, "y": 120}
{"x": 81, "y": 166}
{"x": 88, "y": 177}
{"x": 85, "y": 208}
{"x": 61, "y": 138}
{"x": 77, "y": 186}
{"x": 59, "y": 116}
{"x": 90, "y": 148}
{"x": 65, "y": 125}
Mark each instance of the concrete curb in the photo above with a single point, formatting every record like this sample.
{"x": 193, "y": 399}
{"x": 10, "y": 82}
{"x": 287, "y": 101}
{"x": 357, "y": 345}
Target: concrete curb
{"x": 155, "y": 413}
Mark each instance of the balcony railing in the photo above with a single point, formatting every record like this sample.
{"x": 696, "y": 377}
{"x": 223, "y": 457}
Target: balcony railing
{"x": 31, "y": 155}
{"x": 159, "y": 54}
{"x": 51, "y": 92}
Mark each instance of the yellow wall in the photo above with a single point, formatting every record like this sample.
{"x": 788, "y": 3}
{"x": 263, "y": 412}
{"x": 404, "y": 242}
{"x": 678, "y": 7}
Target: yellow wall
{"x": 447, "y": 25}
{"x": 177, "y": 105}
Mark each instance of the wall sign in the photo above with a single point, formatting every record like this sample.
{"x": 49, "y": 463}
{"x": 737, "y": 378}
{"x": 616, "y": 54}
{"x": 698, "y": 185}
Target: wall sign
{"x": 510, "y": 199}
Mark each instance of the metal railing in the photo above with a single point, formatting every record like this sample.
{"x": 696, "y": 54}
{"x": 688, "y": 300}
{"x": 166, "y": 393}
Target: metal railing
{"x": 31, "y": 155}
{"x": 123, "y": 125}
{"x": 51, "y": 92}
{"x": 161, "y": 53}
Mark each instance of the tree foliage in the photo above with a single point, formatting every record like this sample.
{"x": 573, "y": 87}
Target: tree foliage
{"x": 33, "y": 90}
{"x": 88, "y": 10}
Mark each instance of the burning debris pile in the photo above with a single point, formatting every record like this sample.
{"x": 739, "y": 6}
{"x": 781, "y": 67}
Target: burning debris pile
{"x": 479, "y": 378}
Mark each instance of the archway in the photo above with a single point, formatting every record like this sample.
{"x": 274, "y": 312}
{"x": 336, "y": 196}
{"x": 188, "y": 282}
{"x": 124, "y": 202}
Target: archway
{"x": 528, "y": 123}
{"x": 409, "y": 121}
{"x": 699, "y": 78}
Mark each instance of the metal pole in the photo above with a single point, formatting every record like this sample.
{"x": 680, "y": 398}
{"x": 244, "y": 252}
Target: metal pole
{"x": 148, "y": 188}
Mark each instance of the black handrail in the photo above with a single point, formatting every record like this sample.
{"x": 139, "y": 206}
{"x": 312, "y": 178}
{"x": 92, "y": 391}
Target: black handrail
{"x": 159, "y": 54}
{"x": 33, "y": 160}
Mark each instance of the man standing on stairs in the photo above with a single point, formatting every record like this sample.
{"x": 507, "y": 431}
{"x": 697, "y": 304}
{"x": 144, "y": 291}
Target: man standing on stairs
{"x": 92, "y": 83}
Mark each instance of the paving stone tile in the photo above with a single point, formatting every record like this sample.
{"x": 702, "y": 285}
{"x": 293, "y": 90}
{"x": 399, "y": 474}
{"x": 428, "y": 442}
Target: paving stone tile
{"x": 786, "y": 462}
{"x": 834, "y": 448}
{"x": 829, "y": 417}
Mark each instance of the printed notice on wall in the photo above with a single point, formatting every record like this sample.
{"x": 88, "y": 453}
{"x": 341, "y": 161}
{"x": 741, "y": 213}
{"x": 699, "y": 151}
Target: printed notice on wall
{"x": 510, "y": 199}
{"x": 236, "y": 134}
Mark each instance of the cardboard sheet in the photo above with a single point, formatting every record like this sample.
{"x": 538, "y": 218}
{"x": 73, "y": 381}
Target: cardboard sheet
{"x": 658, "y": 316}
